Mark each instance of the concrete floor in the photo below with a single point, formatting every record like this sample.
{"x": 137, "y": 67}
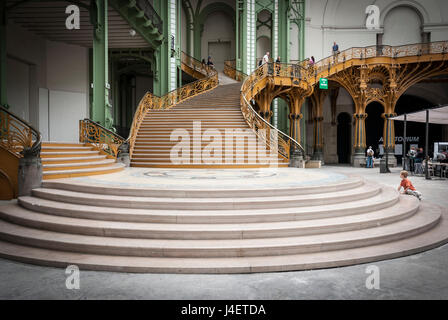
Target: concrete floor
{"x": 422, "y": 276}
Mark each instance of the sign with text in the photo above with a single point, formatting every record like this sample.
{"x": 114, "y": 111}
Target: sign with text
{"x": 323, "y": 83}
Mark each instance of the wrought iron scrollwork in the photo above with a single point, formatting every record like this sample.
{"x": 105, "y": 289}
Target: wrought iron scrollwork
{"x": 17, "y": 136}
{"x": 100, "y": 137}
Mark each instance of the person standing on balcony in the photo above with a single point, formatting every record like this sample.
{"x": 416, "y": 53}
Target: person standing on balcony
{"x": 277, "y": 65}
{"x": 312, "y": 61}
{"x": 266, "y": 58}
{"x": 335, "y": 50}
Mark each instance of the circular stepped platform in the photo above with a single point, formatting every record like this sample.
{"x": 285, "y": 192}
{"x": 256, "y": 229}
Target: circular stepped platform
{"x": 216, "y": 221}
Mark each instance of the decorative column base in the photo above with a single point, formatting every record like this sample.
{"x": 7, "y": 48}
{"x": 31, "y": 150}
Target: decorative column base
{"x": 30, "y": 174}
{"x": 123, "y": 155}
{"x": 359, "y": 158}
{"x": 296, "y": 159}
{"x": 318, "y": 155}
{"x": 392, "y": 161}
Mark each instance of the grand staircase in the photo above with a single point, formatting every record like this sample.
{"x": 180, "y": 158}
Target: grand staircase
{"x": 69, "y": 159}
{"x": 210, "y": 230}
{"x": 218, "y": 109}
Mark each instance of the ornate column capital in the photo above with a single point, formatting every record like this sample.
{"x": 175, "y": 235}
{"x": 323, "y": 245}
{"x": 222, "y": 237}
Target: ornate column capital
{"x": 388, "y": 115}
{"x": 295, "y": 116}
{"x": 318, "y": 119}
{"x": 359, "y": 116}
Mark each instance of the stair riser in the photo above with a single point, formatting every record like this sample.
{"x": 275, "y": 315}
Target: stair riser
{"x": 210, "y": 251}
{"x": 50, "y": 175}
{"x": 74, "y": 167}
{"x": 203, "y": 204}
{"x": 201, "y": 193}
{"x": 69, "y": 155}
{"x": 202, "y": 234}
{"x": 178, "y": 166}
{"x": 192, "y": 218}
{"x": 48, "y": 161}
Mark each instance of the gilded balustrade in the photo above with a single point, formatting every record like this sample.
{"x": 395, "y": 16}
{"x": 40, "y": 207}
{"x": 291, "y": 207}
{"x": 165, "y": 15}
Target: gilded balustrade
{"x": 271, "y": 136}
{"x": 17, "y": 136}
{"x": 195, "y": 66}
{"x": 101, "y": 138}
{"x": 231, "y": 71}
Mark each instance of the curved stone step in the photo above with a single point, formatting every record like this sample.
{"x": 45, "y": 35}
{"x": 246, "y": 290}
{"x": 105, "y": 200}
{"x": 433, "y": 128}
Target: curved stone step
{"x": 362, "y": 192}
{"x": 79, "y": 186}
{"x": 412, "y": 226}
{"x": 412, "y": 245}
{"x": 27, "y": 218}
{"x": 57, "y": 174}
{"x": 385, "y": 199}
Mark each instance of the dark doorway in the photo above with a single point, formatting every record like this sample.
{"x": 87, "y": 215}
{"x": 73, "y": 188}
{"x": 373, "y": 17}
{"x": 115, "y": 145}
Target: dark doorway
{"x": 415, "y": 131}
{"x": 344, "y": 137}
{"x": 374, "y": 126}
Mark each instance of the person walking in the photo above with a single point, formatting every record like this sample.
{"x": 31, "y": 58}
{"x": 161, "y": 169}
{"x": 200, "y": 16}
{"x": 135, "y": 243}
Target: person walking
{"x": 370, "y": 154}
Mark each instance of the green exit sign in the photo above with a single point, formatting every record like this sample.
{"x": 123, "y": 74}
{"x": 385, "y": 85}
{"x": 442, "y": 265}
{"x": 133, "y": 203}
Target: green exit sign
{"x": 323, "y": 83}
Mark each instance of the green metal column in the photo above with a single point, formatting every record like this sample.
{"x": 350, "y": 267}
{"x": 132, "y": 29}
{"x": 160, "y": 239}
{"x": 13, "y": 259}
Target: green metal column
{"x": 3, "y": 23}
{"x": 162, "y": 53}
{"x": 101, "y": 108}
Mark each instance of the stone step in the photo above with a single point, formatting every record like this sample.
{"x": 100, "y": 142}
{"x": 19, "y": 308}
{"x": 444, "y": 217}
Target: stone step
{"x": 79, "y": 165}
{"x": 306, "y": 261}
{"x": 69, "y": 154}
{"x": 27, "y": 218}
{"x": 61, "y": 144}
{"x": 362, "y": 192}
{"x": 57, "y": 174}
{"x": 207, "y": 166}
{"x": 381, "y": 201}
{"x": 65, "y": 149}
{"x": 103, "y": 245}
{"x": 70, "y": 185}
{"x": 61, "y": 160}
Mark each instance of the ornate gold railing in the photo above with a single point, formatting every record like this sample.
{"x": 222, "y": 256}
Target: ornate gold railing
{"x": 303, "y": 71}
{"x": 231, "y": 71}
{"x": 18, "y": 136}
{"x": 153, "y": 102}
{"x": 411, "y": 50}
{"x": 195, "y": 65}
{"x": 101, "y": 138}
{"x": 271, "y": 136}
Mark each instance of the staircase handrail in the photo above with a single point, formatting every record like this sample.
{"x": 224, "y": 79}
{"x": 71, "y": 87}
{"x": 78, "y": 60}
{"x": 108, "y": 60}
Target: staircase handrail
{"x": 256, "y": 121}
{"x": 18, "y": 136}
{"x": 154, "y": 102}
{"x": 100, "y": 137}
{"x": 231, "y": 71}
{"x": 195, "y": 64}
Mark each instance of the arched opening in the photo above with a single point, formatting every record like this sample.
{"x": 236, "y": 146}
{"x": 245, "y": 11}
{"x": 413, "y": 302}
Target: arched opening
{"x": 264, "y": 32}
{"x": 218, "y": 38}
{"x": 402, "y": 25}
{"x": 374, "y": 126}
{"x": 344, "y": 137}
